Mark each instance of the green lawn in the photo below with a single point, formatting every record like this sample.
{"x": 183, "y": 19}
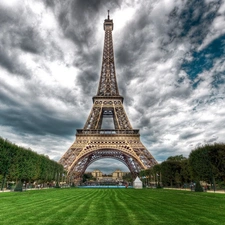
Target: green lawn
{"x": 111, "y": 206}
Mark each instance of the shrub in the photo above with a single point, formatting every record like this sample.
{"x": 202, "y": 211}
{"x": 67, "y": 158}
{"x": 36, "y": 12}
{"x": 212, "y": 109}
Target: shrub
{"x": 198, "y": 187}
{"x": 19, "y": 186}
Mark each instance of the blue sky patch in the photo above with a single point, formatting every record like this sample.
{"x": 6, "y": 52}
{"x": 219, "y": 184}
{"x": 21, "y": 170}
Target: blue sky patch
{"x": 204, "y": 59}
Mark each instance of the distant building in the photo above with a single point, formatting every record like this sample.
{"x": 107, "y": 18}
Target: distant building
{"x": 97, "y": 174}
{"x": 117, "y": 175}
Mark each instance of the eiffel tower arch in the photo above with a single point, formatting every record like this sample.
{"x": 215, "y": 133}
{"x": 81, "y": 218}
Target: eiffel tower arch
{"x": 93, "y": 142}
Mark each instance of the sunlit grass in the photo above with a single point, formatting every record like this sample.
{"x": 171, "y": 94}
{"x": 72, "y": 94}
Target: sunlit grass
{"x": 111, "y": 206}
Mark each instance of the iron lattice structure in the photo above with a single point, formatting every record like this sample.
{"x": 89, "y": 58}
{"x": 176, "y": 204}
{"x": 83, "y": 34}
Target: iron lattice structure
{"x": 92, "y": 142}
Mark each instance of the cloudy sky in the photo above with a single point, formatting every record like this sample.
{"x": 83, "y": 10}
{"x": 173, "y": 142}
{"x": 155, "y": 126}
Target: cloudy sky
{"x": 170, "y": 65}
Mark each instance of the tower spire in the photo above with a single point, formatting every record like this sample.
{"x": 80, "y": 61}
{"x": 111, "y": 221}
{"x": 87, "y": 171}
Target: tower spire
{"x": 107, "y": 83}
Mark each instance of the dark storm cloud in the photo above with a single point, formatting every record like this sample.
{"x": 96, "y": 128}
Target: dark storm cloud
{"x": 196, "y": 18}
{"x": 7, "y": 99}
{"x": 133, "y": 41}
{"x": 131, "y": 52}
{"x": 16, "y": 34}
{"x": 12, "y": 64}
{"x": 6, "y": 16}
{"x": 50, "y": 3}
{"x": 88, "y": 75}
{"x": 28, "y": 114}
{"x": 37, "y": 120}
{"x": 144, "y": 121}
{"x": 189, "y": 134}
{"x": 30, "y": 41}
{"x": 20, "y": 34}
{"x": 88, "y": 80}
{"x": 78, "y": 19}
{"x": 32, "y": 117}
{"x": 8, "y": 39}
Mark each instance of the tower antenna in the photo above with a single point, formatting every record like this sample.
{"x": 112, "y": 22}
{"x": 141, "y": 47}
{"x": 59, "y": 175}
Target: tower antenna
{"x": 108, "y": 14}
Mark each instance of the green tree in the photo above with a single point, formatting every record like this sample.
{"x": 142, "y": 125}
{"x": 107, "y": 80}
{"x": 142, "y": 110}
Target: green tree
{"x": 87, "y": 176}
{"x": 217, "y": 160}
{"x": 6, "y": 159}
{"x": 175, "y": 171}
{"x": 20, "y": 164}
{"x": 208, "y": 163}
{"x": 169, "y": 169}
{"x": 127, "y": 177}
{"x": 198, "y": 187}
{"x": 185, "y": 171}
{"x": 177, "y": 158}
{"x": 178, "y": 178}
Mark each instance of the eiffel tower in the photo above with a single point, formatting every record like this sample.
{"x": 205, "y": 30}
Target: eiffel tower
{"x": 92, "y": 142}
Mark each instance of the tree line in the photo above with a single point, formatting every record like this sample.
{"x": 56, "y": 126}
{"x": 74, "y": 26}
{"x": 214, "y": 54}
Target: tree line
{"x": 205, "y": 164}
{"x": 21, "y": 164}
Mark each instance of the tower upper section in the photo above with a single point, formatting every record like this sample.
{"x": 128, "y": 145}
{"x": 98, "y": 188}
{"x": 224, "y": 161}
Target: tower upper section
{"x": 107, "y": 83}
{"x": 108, "y": 24}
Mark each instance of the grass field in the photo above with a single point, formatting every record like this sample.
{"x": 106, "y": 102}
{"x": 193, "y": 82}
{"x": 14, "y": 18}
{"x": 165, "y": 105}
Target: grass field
{"x": 111, "y": 206}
